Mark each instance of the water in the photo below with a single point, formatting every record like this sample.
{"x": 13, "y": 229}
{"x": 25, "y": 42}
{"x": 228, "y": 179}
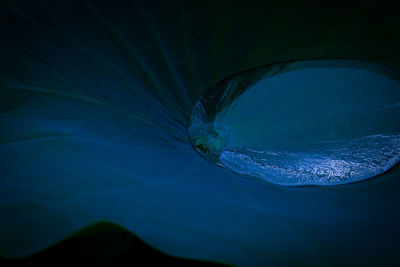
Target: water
{"x": 95, "y": 101}
{"x": 303, "y": 123}
{"x": 332, "y": 164}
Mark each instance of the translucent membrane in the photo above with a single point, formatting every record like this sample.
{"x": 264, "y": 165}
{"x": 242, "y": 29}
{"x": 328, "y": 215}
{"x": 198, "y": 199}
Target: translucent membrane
{"x": 302, "y": 123}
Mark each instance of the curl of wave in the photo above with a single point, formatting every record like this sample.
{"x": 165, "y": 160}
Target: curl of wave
{"x": 302, "y": 123}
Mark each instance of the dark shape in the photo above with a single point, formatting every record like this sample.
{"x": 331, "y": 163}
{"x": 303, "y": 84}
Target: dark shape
{"x": 102, "y": 244}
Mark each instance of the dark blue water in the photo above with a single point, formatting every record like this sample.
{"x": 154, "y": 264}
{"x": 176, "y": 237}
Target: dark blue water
{"x": 95, "y": 101}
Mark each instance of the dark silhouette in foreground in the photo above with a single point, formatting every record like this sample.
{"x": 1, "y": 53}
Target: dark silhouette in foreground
{"x": 102, "y": 244}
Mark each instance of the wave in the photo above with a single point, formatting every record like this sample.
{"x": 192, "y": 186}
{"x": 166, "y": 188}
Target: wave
{"x": 330, "y": 122}
{"x": 95, "y": 102}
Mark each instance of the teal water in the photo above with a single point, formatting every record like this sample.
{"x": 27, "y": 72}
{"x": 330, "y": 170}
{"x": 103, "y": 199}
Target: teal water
{"x": 302, "y": 123}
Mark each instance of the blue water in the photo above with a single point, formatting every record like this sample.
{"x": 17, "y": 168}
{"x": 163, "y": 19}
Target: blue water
{"x": 95, "y": 101}
{"x": 309, "y": 123}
